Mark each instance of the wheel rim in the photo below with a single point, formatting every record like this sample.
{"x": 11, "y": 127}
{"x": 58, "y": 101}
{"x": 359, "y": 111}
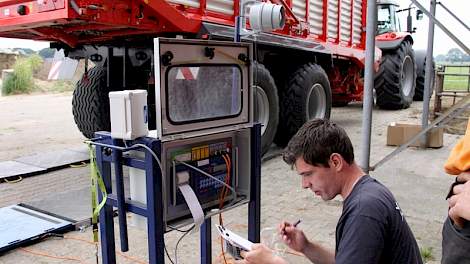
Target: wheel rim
{"x": 316, "y": 102}
{"x": 407, "y": 75}
{"x": 261, "y": 108}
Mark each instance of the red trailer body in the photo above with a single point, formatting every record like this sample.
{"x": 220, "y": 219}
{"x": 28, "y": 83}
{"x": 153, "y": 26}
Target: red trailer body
{"x": 336, "y": 24}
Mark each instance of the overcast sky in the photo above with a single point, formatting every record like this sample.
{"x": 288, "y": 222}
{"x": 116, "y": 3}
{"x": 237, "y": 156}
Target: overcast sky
{"x": 442, "y": 43}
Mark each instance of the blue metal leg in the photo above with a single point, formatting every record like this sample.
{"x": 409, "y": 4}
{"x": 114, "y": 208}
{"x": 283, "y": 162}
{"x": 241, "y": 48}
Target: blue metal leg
{"x": 106, "y": 214}
{"x": 206, "y": 242}
{"x": 154, "y": 207}
{"x": 121, "y": 203}
{"x": 254, "y": 207}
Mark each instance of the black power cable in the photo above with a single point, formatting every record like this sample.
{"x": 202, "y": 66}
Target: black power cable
{"x": 179, "y": 240}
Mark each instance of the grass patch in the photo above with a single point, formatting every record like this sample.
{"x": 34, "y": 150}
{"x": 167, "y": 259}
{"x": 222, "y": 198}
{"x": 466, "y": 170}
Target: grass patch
{"x": 62, "y": 86}
{"x": 21, "y": 80}
{"x": 55, "y": 86}
{"x": 456, "y": 83}
{"x": 427, "y": 254}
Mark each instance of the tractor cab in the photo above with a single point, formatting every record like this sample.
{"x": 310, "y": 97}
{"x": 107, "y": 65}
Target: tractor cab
{"x": 387, "y": 18}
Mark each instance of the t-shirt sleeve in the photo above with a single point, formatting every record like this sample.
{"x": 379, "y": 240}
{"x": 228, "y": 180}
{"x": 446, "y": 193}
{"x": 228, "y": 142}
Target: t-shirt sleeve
{"x": 362, "y": 241}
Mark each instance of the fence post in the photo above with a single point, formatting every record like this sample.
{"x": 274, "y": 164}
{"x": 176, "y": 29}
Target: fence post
{"x": 6, "y": 73}
{"x": 468, "y": 78}
{"x": 439, "y": 90}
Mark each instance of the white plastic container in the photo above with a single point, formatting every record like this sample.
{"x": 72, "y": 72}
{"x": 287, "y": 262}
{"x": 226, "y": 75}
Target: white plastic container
{"x": 129, "y": 114}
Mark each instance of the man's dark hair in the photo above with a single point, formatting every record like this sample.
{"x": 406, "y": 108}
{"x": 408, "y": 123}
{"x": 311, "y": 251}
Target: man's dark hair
{"x": 316, "y": 140}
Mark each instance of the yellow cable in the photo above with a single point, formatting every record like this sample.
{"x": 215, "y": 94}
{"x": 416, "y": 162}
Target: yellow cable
{"x": 14, "y": 181}
{"x": 79, "y": 165}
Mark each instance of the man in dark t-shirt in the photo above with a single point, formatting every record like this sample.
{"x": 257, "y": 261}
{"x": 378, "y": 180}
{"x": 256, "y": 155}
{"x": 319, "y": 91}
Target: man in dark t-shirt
{"x": 373, "y": 221}
{"x": 372, "y": 227}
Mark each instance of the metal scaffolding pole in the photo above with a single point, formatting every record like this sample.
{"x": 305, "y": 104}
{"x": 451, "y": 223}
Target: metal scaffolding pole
{"x": 368, "y": 85}
{"x": 453, "y": 15}
{"x": 428, "y": 73}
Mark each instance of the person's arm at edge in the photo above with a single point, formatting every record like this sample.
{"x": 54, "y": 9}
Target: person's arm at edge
{"x": 458, "y": 202}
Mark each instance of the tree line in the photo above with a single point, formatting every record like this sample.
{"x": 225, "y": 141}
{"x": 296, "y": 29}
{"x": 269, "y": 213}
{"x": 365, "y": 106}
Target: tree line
{"x": 453, "y": 55}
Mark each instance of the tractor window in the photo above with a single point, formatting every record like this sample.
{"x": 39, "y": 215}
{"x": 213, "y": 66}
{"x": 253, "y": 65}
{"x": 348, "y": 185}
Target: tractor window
{"x": 197, "y": 93}
{"x": 386, "y": 19}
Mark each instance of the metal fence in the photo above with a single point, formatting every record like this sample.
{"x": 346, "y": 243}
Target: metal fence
{"x": 451, "y": 81}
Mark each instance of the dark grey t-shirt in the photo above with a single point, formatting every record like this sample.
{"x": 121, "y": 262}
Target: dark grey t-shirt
{"x": 372, "y": 228}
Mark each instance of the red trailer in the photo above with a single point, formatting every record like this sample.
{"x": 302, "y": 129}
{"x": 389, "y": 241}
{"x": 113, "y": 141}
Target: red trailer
{"x": 315, "y": 61}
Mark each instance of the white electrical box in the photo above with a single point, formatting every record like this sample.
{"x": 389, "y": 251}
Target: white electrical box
{"x": 129, "y": 114}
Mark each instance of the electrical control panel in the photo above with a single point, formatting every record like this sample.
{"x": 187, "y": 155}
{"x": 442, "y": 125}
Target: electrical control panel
{"x": 216, "y": 155}
{"x": 213, "y": 158}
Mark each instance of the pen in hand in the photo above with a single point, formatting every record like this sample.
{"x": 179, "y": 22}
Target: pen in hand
{"x": 296, "y": 223}
{"x": 283, "y": 231}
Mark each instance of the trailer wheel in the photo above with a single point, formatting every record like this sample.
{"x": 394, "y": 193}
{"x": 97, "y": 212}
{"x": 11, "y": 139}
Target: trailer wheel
{"x": 266, "y": 105}
{"x": 307, "y": 95}
{"x": 395, "y": 82}
{"x": 419, "y": 90}
{"x": 90, "y": 103}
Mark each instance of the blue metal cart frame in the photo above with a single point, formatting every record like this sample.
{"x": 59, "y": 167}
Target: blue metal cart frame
{"x": 110, "y": 151}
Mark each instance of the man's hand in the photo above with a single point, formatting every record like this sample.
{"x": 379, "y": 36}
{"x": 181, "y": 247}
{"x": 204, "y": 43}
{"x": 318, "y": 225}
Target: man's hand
{"x": 459, "y": 203}
{"x": 260, "y": 254}
{"x": 293, "y": 237}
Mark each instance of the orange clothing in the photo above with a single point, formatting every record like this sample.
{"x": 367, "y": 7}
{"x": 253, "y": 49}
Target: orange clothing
{"x": 459, "y": 158}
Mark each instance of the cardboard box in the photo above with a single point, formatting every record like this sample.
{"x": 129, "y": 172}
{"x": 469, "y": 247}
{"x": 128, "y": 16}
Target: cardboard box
{"x": 397, "y": 134}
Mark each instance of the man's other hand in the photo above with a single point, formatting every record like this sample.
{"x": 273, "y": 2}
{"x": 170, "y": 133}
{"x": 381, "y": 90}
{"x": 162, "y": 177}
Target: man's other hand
{"x": 260, "y": 254}
{"x": 293, "y": 237}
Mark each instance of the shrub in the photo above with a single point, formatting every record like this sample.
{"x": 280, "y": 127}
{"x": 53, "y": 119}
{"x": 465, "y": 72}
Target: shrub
{"x": 21, "y": 80}
{"x": 35, "y": 62}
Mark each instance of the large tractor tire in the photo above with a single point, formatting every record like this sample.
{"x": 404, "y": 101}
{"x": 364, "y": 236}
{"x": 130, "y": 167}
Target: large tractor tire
{"x": 307, "y": 95}
{"x": 266, "y": 105}
{"x": 395, "y": 82}
{"x": 90, "y": 103}
{"x": 421, "y": 72}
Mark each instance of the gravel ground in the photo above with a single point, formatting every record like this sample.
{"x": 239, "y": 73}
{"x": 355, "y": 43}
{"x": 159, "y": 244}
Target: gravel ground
{"x": 30, "y": 124}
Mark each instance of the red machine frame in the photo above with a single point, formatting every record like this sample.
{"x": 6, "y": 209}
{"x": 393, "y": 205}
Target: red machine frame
{"x": 58, "y": 20}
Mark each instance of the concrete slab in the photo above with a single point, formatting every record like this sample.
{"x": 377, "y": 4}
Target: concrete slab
{"x": 75, "y": 205}
{"x": 15, "y": 168}
{"x": 81, "y": 149}
{"x": 54, "y": 159}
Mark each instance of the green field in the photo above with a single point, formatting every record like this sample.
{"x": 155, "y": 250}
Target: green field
{"x": 456, "y": 83}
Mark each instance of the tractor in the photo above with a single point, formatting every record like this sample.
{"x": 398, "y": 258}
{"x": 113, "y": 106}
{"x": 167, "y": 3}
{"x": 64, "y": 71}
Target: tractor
{"x": 400, "y": 78}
